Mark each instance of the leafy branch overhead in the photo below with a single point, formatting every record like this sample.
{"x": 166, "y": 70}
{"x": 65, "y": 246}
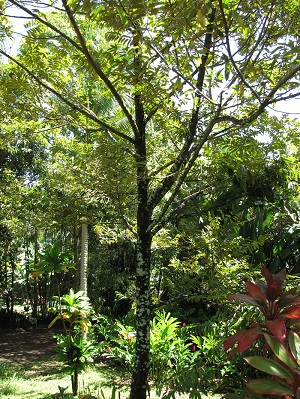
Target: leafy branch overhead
{"x": 176, "y": 76}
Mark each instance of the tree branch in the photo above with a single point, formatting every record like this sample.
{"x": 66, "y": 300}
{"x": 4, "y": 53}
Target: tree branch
{"x": 46, "y": 23}
{"x": 83, "y": 49}
{"x": 86, "y": 112}
{"x": 185, "y": 154}
{"x": 96, "y": 67}
{"x": 240, "y": 75}
{"x": 183, "y": 175}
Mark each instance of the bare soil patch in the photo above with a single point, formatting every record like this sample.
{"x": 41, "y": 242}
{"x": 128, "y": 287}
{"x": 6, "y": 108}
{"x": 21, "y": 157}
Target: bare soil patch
{"x": 30, "y": 349}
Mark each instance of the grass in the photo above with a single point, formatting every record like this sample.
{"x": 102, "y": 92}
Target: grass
{"x": 98, "y": 382}
{"x": 16, "y": 383}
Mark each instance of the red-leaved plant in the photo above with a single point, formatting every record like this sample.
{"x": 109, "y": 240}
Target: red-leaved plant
{"x": 280, "y": 330}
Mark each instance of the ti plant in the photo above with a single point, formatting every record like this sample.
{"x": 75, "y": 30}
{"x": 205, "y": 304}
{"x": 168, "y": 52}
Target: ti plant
{"x": 73, "y": 348}
{"x": 279, "y": 330}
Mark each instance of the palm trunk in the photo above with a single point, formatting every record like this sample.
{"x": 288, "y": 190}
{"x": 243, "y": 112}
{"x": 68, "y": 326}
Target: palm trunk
{"x": 84, "y": 257}
{"x": 13, "y": 267}
{"x": 35, "y": 287}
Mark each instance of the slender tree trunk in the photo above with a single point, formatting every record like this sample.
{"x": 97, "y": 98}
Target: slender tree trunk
{"x": 84, "y": 257}
{"x": 35, "y": 286}
{"x": 74, "y": 379}
{"x": 139, "y": 382}
{"x": 27, "y": 272}
{"x": 76, "y": 257}
{"x": 13, "y": 267}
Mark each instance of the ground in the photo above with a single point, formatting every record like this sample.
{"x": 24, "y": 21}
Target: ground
{"x": 27, "y": 348}
{"x": 40, "y": 376}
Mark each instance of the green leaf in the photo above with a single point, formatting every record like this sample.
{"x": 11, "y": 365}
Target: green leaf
{"x": 253, "y": 395}
{"x": 232, "y": 396}
{"x": 227, "y": 67}
{"x": 280, "y": 351}
{"x": 272, "y": 387}
{"x": 269, "y": 366}
{"x": 201, "y": 18}
{"x": 237, "y": 18}
{"x": 294, "y": 342}
{"x": 54, "y": 320}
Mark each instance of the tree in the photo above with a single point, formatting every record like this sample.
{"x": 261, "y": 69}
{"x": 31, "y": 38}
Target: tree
{"x": 181, "y": 74}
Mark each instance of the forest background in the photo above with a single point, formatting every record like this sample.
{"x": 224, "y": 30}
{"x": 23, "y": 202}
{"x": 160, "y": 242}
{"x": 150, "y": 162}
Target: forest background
{"x": 141, "y": 124}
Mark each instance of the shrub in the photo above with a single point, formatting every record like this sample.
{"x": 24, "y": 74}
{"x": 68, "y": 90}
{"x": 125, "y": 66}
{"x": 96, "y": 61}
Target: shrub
{"x": 279, "y": 330}
{"x": 73, "y": 348}
{"x": 183, "y": 358}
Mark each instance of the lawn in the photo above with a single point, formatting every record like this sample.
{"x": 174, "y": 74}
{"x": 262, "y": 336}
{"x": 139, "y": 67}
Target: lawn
{"x": 100, "y": 381}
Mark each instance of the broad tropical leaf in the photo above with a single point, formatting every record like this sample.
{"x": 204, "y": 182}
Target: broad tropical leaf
{"x": 256, "y": 293}
{"x": 294, "y": 343}
{"x": 293, "y": 312}
{"x": 277, "y": 328}
{"x": 274, "y": 284}
{"x": 280, "y": 351}
{"x": 270, "y": 366}
{"x": 280, "y": 277}
{"x": 244, "y": 298}
{"x": 244, "y": 339}
{"x": 271, "y": 387}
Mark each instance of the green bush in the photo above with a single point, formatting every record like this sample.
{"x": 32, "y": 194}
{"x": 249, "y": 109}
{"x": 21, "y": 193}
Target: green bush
{"x": 115, "y": 339}
{"x": 73, "y": 347}
{"x": 183, "y": 358}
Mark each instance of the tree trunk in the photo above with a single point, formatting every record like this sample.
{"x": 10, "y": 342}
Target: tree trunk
{"x": 84, "y": 257}
{"x": 74, "y": 379}
{"x": 35, "y": 287}
{"x": 27, "y": 273}
{"x": 76, "y": 257}
{"x": 139, "y": 383}
{"x": 13, "y": 267}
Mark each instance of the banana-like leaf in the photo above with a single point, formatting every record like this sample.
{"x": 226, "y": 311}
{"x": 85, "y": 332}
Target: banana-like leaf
{"x": 270, "y": 387}
{"x": 280, "y": 351}
{"x": 270, "y": 366}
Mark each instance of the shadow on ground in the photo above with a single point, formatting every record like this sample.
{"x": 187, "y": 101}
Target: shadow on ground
{"x": 32, "y": 350}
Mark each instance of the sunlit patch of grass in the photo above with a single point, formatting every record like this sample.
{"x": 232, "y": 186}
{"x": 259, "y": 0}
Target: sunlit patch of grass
{"x": 98, "y": 382}
{"x": 34, "y": 384}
